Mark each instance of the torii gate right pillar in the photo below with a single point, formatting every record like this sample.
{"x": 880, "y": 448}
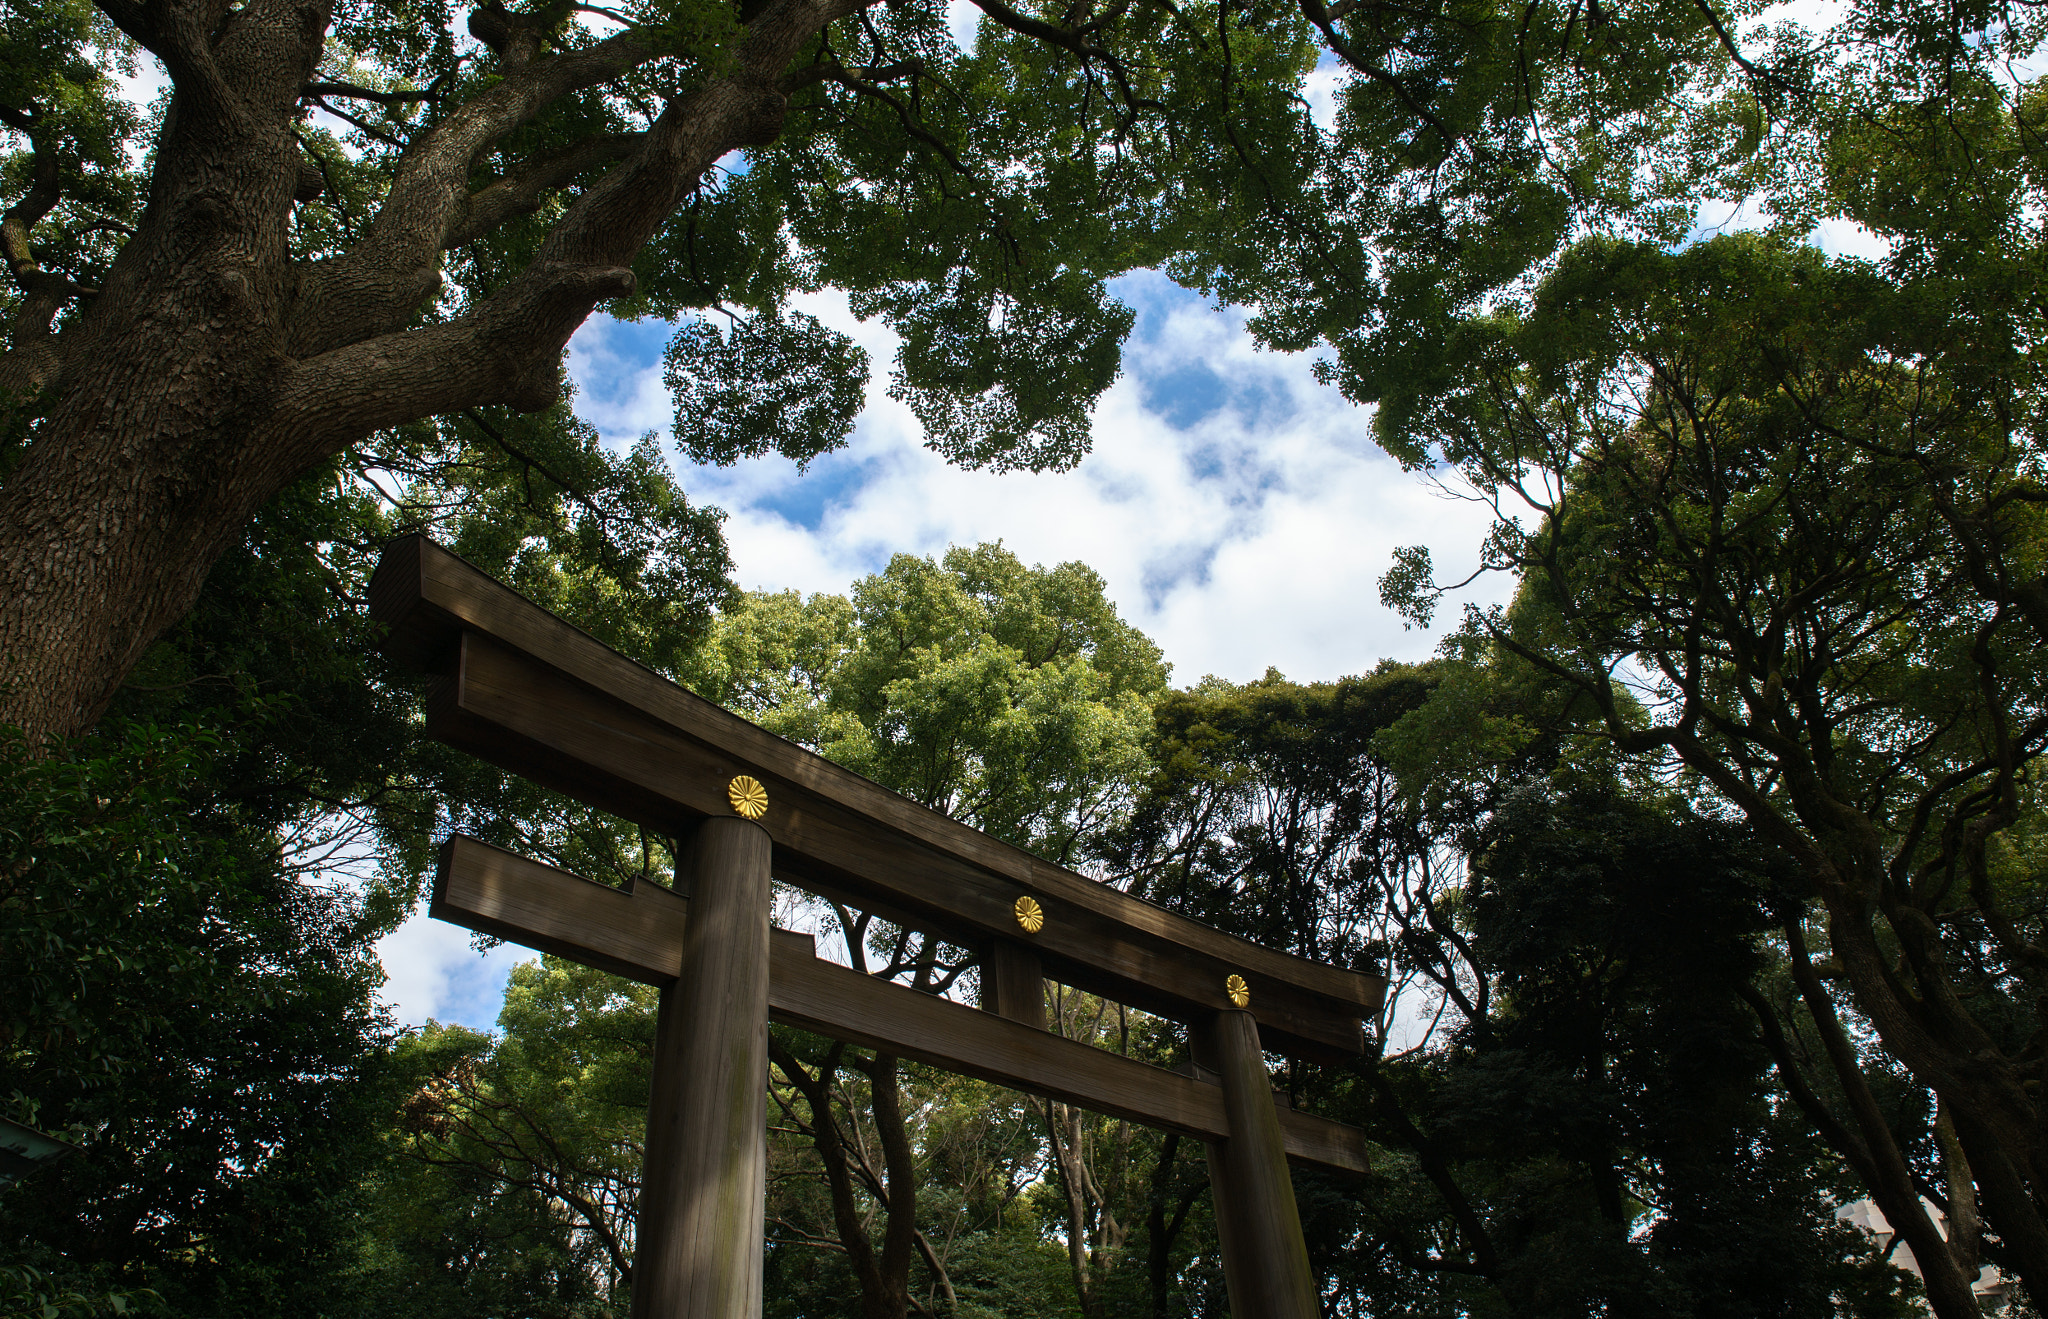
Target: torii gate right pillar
{"x": 1265, "y": 1259}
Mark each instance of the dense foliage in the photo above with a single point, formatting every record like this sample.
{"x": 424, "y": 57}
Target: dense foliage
{"x": 345, "y": 221}
{"x": 1544, "y": 1148}
{"x": 189, "y": 897}
{"x": 1777, "y": 521}
{"x": 1709, "y": 872}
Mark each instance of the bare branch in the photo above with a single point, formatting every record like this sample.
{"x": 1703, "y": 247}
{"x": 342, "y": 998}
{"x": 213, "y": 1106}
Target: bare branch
{"x": 349, "y": 91}
{"x": 377, "y": 286}
{"x": 368, "y": 130}
{"x": 522, "y": 191}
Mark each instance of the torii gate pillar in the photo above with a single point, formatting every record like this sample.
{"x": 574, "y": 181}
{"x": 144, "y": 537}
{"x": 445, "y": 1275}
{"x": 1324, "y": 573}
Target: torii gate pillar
{"x": 705, "y": 1182}
{"x": 1265, "y": 1259}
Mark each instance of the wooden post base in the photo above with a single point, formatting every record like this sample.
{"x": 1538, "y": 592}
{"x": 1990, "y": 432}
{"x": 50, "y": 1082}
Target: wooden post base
{"x": 705, "y": 1180}
{"x": 1265, "y": 1259}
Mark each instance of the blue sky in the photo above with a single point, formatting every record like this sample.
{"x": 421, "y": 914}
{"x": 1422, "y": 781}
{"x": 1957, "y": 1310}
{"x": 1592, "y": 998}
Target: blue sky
{"x": 1238, "y": 511}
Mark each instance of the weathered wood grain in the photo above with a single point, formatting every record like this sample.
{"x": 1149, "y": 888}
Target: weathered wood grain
{"x": 636, "y": 932}
{"x": 1265, "y": 1257}
{"x": 705, "y": 1177}
{"x": 639, "y": 934}
{"x": 533, "y": 694}
{"x": 1013, "y": 983}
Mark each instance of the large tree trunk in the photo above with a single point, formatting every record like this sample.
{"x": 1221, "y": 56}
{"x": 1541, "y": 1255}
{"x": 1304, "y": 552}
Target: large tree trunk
{"x": 1903, "y": 987}
{"x": 884, "y": 1275}
{"x": 153, "y": 453}
{"x": 212, "y": 369}
{"x": 1982, "y": 1090}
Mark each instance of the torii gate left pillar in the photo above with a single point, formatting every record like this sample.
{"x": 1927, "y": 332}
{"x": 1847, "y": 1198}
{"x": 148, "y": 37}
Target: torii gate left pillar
{"x": 704, "y": 1184}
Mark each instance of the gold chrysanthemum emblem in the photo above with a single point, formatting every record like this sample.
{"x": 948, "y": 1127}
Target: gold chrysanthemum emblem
{"x": 1030, "y": 916}
{"x": 1240, "y": 992}
{"x": 747, "y": 796}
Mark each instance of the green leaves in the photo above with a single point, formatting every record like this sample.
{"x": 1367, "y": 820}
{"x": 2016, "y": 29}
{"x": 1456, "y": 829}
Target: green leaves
{"x": 1269, "y": 811}
{"x": 1409, "y": 587}
{"x": 515, "y": 1162}
{"x": 198, "y": 1021}
{"x": 768, "y": 383}
{"x": 1004, "y": 382}
{"x": 98, "y": 872}
{"x": 1010, "y": 697}
{"x": 1765, "y": 505}
{"x": 605, "y": 538}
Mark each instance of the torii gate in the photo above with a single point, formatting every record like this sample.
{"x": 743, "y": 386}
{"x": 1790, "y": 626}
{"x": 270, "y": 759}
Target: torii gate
{"x": 535, "y": 696}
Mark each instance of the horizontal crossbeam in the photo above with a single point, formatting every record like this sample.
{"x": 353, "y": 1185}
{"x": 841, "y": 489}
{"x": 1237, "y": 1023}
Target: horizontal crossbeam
{"x": 533, "y": 695}
{"x": 638, "y": 934}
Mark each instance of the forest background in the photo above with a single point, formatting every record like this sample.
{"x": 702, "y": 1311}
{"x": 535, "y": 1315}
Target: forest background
{"x": 1711, "y": 851}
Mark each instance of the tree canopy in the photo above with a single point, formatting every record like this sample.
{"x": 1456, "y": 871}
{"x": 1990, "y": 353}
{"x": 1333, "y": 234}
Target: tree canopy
{"x": 1716, "y": 855}
{"x": 343, "y": 221}
{"x": 1776, "y": 517}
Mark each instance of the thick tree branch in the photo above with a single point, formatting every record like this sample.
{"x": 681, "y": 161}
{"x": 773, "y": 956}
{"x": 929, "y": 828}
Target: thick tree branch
{"x": 381, "y": 282}
{"x": 1075, "y": 42}
{"x": 1891, "y": 1183}
{"x": 39, "y": 200}
{"x": 1844, "y": 1141}
{"x": 816, "y": 1089}
{"x": 1471, "y": 1227}
{"x": 522, "y": 191}
{"x": 132, "y": 18}
{"x": 1326, "y": 23}
{"x": 911, "y": 124}
{"x": 509, "y": 350}
{"x": 32, "y": 358}
{"x": 2013, "y": 1213}
{"x": 349, "y": 91}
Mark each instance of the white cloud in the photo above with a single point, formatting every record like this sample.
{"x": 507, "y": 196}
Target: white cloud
{"x": 622, "y": 398}
{"x": 1836, "y": 237}
{"x": 1320, "y": 90}
{"x": 431, "y": 971}
{"x": 1848, "y": 238}
{"x": 963, "y": 20}
{"x": 1717, "y": 216}
{"x": 1238, "y": 510}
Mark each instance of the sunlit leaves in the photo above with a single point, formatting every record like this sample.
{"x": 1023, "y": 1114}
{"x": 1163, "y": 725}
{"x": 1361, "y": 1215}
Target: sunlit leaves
{"x": 1004, "y": 382}
{"x": 1010, "y": 697}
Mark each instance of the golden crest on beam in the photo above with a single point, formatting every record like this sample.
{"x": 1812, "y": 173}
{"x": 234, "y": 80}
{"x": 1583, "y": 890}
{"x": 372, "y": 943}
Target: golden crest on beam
{"x": 1239, "y": 991}
{"x": 749, "y": 799}
{"x": 1030, "y": 916}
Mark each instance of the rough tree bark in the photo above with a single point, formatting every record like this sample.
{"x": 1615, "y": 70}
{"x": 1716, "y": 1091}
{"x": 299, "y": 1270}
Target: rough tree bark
{"x": 212, "y": 369}
{"x": 884, "y": 1274}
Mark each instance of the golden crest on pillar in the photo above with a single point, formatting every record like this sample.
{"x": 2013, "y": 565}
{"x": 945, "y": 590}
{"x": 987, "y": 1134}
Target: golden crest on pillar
{"x": 1240, "y": 992}
{"x": 749, "y": 799}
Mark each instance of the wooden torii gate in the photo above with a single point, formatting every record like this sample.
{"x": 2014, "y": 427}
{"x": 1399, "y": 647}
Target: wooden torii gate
{"x": 526, "y": 691}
